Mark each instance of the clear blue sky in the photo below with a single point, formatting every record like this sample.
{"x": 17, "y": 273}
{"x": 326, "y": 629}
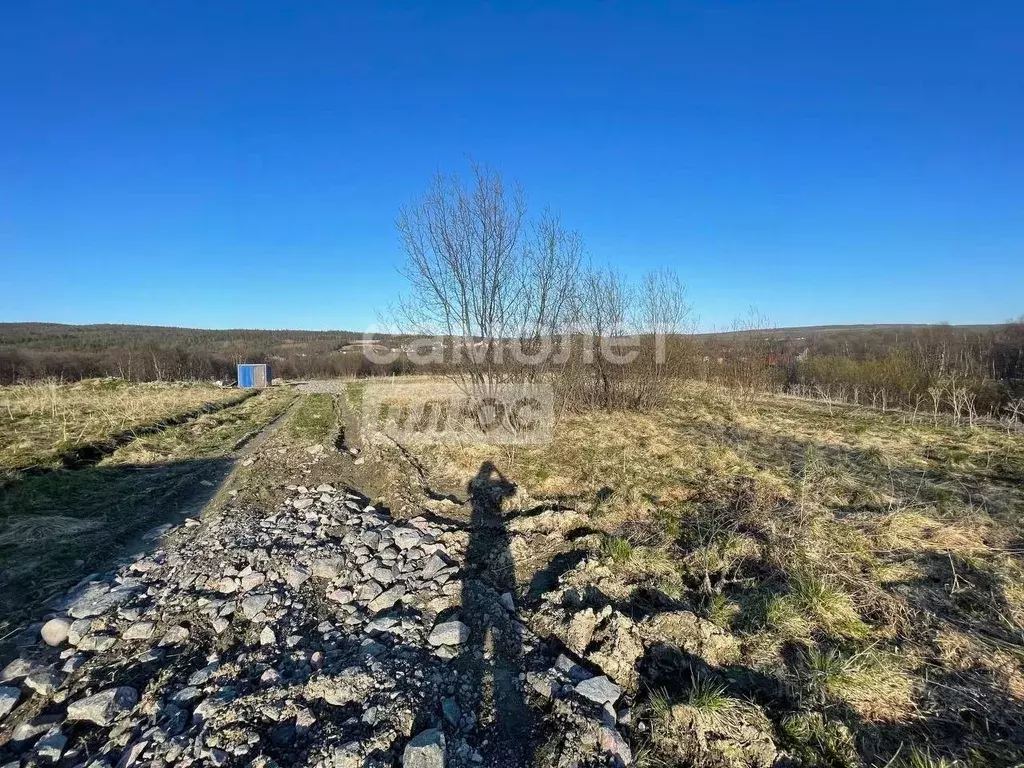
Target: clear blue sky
{"x": 226, "y": 164}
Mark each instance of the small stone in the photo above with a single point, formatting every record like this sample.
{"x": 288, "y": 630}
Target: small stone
{"x": 542, "y": 683}
{"x": 301, "y": 504}
{"x": 370, "y": 590}
{"x": 202, "y": 676}
{"x": 97, "y": 642}
{"x": 226, "y": 586}
{"x": 220, "y": 624}
{"x": 341, "y": 596}
{"x": 140, "y": 630}
{"x": 73, "y": 664}
{"x": 254, "y": 604}
{"x": 44, "y": 681}
{"x": 407, "y": 537}
{"x": 425, "y": 750}
{"x": 327, "y": 568}
{"x": 252, "y": 581}
{"x": 296, "y": 576}
{"x": 55, "y": 631}
{"x": 449, "y": 633}
{"x": 387, "y": 599}
{"x": 451, "y": 712}
{"x": 599, "y": 690}
{"x": 304, "y": 720}
{"x": 103, "y": 708}
{"x": 134, "y": 752}
{"x": 614, "y": 743}
{"x": 267, "y": 637}
{"x": 347, "y": 756}
{"x": 175, "y": 635}
{"x": 25, "y": 733}
{"x": 51, "y": 746}
{"x": 8, "y": 698}
{"x": 187, "y": 695}
{"x": 79, "y": 629}
{"x": 434, "y": 564}
{"x": 570, "y": 668}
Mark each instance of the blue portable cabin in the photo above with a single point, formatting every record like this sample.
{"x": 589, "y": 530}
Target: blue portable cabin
{"x": 253, "y": 375}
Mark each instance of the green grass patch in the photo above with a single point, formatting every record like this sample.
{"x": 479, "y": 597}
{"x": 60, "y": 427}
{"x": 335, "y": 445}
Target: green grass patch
{"x": 213, "y": 434}
{"x": 313, "y": 420}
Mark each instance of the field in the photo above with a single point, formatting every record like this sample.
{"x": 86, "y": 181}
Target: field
{"x": 45, "y": 423}
{"x": 856, "y": 579}
{"x": 89, "y": 467}
{"x": 769, "y": 578}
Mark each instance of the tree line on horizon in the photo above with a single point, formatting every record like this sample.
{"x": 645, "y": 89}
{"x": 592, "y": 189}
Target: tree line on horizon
{"x": 885, "y": 366}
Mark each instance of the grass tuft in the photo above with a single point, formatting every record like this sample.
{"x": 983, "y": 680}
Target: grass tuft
{"x": 708, "y": 699}
{"x": 618, "y": 549}
{"x": 923, "y": 758}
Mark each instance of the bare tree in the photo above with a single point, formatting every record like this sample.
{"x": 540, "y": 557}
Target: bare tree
{"x": 493, "y": 284}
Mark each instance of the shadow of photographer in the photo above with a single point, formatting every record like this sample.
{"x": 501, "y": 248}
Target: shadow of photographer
{"x": 493, "y": 657}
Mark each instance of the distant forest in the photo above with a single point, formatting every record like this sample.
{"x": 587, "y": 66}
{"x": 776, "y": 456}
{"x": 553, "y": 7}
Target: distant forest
{"x": 882, "y": 365}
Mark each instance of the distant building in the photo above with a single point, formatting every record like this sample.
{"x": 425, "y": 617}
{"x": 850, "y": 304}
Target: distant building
{"x": 254, "y": 375}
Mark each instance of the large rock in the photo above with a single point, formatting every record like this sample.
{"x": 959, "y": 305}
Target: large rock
{"x": 425, "y": 750}
{"x": 449, "y": 633}
{"x": 55, "y": 631}
{"x": 407, "y": 537}
{"x": 599, "y": 690}
{"x": 50, "y": 748}
{"x": 104, "y": 707}
{"x": 18, "y": 670}
{"x": 97, "y": 598}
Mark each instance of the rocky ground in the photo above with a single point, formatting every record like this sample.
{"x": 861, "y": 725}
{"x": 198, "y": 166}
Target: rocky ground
{"x": 311, "y": 630}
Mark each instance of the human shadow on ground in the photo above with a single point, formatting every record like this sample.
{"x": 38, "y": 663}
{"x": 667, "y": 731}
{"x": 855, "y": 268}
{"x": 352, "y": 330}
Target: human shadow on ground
{"x": 494, "y": 657}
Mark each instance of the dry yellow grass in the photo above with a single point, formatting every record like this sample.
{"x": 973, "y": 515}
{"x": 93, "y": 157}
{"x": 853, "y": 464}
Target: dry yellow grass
{"x": 40, "y": 422}
{"x": 792, "y": 523}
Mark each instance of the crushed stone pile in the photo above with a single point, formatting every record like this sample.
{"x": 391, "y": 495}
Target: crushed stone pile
{"x": 323, "y": 632}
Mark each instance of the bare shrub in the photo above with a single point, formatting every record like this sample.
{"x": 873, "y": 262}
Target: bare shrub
{"x": 629, "y": 339}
